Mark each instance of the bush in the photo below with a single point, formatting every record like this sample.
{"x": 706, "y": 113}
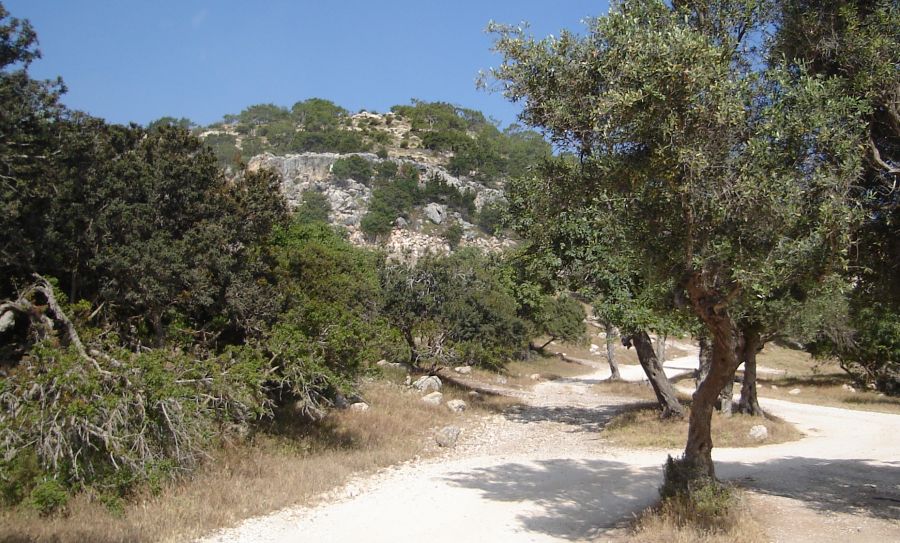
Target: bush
{"x": 353, "y": 167}
{"x": 48, "y": 497}
{"x": 490, "y": 218}
{"x": 314, "y": 207}
{"x": 453, "y": 235}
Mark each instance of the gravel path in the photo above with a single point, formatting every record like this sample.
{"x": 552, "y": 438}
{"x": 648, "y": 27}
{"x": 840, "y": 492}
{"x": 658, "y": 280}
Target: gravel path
{"x": 542, "y": 473}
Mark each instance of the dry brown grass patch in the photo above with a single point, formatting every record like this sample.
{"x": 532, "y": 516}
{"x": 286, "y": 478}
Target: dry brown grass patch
{"x": 290, "y": 465}
{"x": 641, "y": 427}
{"x": 674, "y": 521}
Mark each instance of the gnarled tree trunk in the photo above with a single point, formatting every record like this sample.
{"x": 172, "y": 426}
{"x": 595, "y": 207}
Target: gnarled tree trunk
{"x": 611, "y": 352}
{"x": 665, "y": 393}
{"x": 708, "y": 306}
{"x": 749, "y": 404}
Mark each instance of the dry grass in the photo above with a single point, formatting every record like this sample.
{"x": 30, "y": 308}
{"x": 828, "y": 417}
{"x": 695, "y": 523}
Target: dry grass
{"x": 674, "y": 522}
{"x": 641, "y": 427}
{"x": 626, "y": 389}
{"x": 291, "y": 465}
{"x": 821, "y": 382}
{"x": 517, "y": 374}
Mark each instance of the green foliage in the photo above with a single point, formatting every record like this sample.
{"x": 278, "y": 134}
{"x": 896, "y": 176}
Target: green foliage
{"x": 454, "y": 309}
{"x": 318, "y": 115}
{"x": 438, "y": 190}
{"x": 119, "y": 426}
{"x": 333, "y": 325}
{"x": 181, "y": 122}
{"x": 353, "y": 167}
{"x": 329, "y": 141}
{"x": 48, "y": 497}
{"x": 453, "y": 235}
{"x": 390, "y": 200}
{"x": 715, "y": 160}
{"x": 490, "y": 217}
{"x": 561, "y": 317}
{"x": 478, "y": 147}
{"x": 224, "y": 147}
{"x": 314, "y": 207}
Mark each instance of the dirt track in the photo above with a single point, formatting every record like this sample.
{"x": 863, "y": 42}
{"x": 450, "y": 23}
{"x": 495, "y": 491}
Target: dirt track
{"x": 542, "y": 473}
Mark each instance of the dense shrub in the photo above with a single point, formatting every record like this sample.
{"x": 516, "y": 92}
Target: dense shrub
{"x": 353, "y": 167}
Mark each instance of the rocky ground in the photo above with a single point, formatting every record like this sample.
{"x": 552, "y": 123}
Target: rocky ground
{"x": 542, "y": 472}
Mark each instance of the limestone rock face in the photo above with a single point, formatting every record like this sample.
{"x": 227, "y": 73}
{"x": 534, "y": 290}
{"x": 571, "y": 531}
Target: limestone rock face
{"x": 436, "y": 213}
{"x": 349, "y": 201}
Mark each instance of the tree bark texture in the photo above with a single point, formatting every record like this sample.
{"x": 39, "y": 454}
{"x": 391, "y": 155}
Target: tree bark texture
{"x": 665, "y": 393}
{"x": 661, "y": 348}
{"x": 704, "y": 359}
{"x": 611, "y": 352}
{"x": 708, "y": 305}
{"x": 749, "y": 404}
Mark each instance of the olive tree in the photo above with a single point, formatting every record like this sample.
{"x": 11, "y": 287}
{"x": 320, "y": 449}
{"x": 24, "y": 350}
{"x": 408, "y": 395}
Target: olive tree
{"x": 728, "y": 178}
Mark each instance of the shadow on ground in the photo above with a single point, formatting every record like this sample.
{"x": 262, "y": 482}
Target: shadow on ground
{"x": 580, "y": 498}
{"x": 586, "y": 419}
{"x": 846, "y": 486}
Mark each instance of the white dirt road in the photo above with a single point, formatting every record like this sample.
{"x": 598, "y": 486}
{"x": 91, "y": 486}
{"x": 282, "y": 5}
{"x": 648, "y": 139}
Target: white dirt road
{"x": 542, "y": 473}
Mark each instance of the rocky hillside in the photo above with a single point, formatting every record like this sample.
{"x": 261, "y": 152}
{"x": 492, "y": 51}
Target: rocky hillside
{"x": 422, "y": 178}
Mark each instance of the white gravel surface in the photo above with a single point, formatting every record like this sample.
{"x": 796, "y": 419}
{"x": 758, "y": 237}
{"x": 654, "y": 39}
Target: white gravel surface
{"x": 542, "y": 473}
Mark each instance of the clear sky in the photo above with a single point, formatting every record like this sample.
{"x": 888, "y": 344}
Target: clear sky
{"x": 130, "y": 60}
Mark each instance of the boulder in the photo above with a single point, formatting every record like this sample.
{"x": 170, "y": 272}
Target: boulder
{"x": 382, "y": 362}
{"x": 474, "y": 394}
{"x": 359, "y": 406}
{"x": 535, "y": 376}
{"x": 447, "y": 436}
{"x": 464, "y": 370}
{"x": 794, "y": 391}
{"x": 759, "y": 433}
{"x": 400, "y": 222}
{"x": 848, "y": 388}
{"x": 456, "y": 406}
{"x": 435, "y": 213}
{"x": 427, "y": 382}
{"x": 433, "y": 399}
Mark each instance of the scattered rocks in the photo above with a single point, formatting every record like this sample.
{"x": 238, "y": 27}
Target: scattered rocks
{"x": 464, "y": 370}
{"x": 427, "y": 382}
{"x": 759, "y": 433}
{"x": 447, "y": 436}
{"x": 359, "y": 406}
{"x": 456, "y": 406}
{"x": 794, "y": 391}
{"x": 535, "y": 376}
{"x": 501, "y": 380}
{"x": 434, "y": 398}
{"x": 848, "y": 388}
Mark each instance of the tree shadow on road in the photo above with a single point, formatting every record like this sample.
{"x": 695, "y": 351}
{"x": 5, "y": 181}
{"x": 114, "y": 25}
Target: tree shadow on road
{"x": 846, "y": 486}
{"x": 580, "y": 498}
{"x": 587, "y": 419}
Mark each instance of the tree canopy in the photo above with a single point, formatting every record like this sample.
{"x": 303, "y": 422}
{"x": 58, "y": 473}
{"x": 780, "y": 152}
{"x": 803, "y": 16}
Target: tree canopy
{"x": 727, "y": 178}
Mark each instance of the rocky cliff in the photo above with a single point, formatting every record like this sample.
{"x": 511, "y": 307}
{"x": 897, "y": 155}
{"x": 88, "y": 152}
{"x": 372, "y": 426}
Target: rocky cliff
{"x": 421, "y": 233}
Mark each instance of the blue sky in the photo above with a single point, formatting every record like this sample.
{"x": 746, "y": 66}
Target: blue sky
{"x": 129, "y": 60}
